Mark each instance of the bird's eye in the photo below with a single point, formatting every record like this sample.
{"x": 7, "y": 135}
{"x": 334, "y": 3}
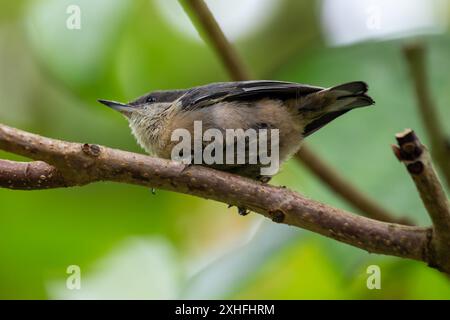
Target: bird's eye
{"x": 150, "y": 99}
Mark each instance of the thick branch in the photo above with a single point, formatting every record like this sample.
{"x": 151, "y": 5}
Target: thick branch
{"x": 238, "y": 71}
{"x": 415, "y": 56}
{"x": 30, "y": 175}
{"x": 80, "y": 164}
{"x": 417, "y": 160}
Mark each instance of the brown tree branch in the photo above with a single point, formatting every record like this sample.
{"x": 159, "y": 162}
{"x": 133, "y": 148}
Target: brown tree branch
{"x": 238, "y": 71}
{"x": 213, "y": 33}
{"x": 79, "y": 164}
{"x": 415, "y": 56}
{"x": 417, "y": 160}
{"x": 30, "y": 175}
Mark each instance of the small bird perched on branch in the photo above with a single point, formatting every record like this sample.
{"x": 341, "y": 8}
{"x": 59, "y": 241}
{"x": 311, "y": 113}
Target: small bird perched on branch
{"x": 294, "y": 110}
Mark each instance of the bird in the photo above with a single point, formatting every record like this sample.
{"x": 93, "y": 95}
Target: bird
{"x": 295, "y": 110}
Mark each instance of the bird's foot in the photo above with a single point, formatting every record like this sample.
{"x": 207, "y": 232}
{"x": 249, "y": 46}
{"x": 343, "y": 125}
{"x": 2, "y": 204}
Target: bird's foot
{"x": 187, "y": 166}
{"x": 241, "y": 210}
{"x": 263, "y": 179}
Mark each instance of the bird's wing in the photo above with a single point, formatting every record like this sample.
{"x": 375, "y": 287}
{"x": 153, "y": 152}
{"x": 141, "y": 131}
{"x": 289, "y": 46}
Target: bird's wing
{"x": 205, "y": 96}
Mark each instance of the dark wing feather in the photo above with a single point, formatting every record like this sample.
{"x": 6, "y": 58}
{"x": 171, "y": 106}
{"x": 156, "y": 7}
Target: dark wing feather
{"x": 204, "y": 96}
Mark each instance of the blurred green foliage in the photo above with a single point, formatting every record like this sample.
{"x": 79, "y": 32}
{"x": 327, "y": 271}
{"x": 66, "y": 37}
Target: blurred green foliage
{"x": 50, "y": 80}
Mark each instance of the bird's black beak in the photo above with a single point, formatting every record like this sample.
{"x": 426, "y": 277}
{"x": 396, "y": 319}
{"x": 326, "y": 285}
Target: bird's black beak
{"x": 121, "y": 107}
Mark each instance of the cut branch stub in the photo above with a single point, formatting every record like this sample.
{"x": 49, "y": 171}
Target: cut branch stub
{"x": 416, "y": 158}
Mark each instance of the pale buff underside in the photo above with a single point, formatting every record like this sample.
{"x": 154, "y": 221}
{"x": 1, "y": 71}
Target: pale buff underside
{"x": 223, "y": 115}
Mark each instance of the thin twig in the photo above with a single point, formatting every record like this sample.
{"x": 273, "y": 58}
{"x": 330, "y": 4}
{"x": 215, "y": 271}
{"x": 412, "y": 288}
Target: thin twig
{"x": 238, "y": 71}
{"x": 80, "y": 164}
{"x": 214, "y": 34}
{"x": 417, "y": 160}
{"x": 415, "y": 56}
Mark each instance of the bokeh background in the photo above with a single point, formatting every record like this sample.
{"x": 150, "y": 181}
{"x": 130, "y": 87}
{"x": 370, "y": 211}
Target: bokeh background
{"x": 132, "y": 244}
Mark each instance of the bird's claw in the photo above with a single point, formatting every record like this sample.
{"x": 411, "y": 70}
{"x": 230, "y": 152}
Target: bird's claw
{"x": 243, "y": 211}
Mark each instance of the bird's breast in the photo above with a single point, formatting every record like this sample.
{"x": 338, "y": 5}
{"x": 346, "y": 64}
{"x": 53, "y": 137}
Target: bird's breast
{"x": 264, "y": 114}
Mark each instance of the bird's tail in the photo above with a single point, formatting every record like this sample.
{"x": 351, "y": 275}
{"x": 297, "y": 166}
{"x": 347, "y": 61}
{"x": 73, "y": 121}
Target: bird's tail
{"x": 328, "y": 104}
